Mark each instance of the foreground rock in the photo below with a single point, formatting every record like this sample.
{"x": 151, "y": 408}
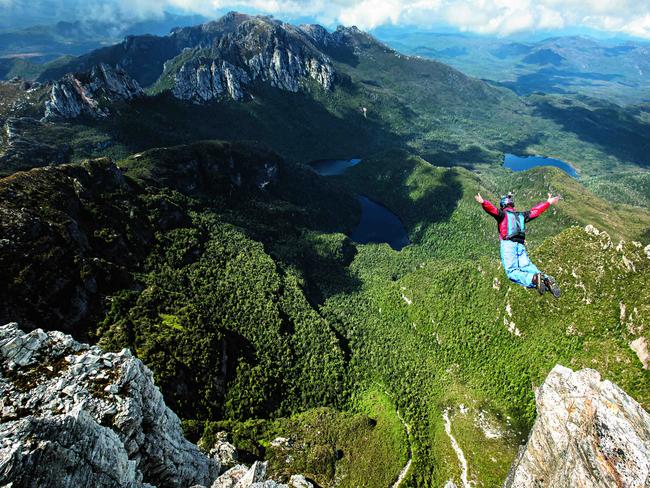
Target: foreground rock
{"x": 240, "y": 476}
{"x": 588, "y": 432}
{"x": 74, "y": 416}
{"x": 90, "y": 93}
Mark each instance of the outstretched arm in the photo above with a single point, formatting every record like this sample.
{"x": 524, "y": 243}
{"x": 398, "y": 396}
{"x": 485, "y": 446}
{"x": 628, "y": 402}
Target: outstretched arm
{"x": 488, "y": 207}
{"x": 540, "y": 208}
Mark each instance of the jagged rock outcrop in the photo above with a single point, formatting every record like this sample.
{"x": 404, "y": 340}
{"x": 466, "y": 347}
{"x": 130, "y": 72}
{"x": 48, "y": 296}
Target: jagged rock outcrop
{"x": 240, "y": 476}
{"x": 249, "y": 49}
{"x": 90, "y": 93}
{"x": 201, "y": 80}
{"x": 588, "y": 432}
{"x": 72, "y": 415}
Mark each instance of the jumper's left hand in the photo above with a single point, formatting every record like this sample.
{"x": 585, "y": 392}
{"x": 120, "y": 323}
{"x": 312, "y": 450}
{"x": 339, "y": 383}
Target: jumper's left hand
{"x": 553, "y": 200}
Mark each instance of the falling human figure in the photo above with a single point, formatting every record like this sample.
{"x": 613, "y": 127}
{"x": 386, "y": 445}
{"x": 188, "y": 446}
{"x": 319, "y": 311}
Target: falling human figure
{"x": 512, "y": 233}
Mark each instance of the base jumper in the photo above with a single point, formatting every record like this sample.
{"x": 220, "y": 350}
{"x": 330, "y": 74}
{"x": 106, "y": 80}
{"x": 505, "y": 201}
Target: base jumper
{"x": 512, "y": 234}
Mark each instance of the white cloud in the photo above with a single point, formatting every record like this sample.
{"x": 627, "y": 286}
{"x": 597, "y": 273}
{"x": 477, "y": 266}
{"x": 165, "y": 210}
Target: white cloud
{"x": 498, "y": 17}
{"x": 372, "y": 13}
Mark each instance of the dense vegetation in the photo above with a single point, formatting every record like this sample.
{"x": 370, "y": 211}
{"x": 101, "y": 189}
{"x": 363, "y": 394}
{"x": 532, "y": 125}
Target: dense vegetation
{"x": 227, "y": 270}
{"x": 440, "y": 326}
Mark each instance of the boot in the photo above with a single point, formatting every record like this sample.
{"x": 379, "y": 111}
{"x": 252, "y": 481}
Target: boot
{"x": 550, "y": 283}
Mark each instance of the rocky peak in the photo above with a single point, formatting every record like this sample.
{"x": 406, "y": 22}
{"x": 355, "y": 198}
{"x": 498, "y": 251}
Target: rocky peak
{"x": 588, "y": 432}
{"x": 250, "y": 49}
{"x": 90, "y": 93}
{"x": 319, "y": 34}
{"x": 354, "y": 38}
{"x": 73, "y": 415}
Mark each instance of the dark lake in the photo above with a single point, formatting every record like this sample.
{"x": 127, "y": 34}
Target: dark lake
{"x": 378, "y": 224}
{"x": 332, "y": 167}
{"x": 521, "y": 163}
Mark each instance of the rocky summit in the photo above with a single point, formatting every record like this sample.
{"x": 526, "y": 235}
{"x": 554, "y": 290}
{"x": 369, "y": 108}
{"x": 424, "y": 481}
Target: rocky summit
{"x": 588, "y": 432}
{"x": 89, "y": 93}
{"x": 249, "y": 49}
{"x": 72, "y": 415}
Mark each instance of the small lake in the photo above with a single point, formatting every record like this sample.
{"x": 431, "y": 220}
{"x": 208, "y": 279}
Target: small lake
{"x": 333, "y": 167}
{"x": 378, "y": 224}
{"x": 522, "y": 163}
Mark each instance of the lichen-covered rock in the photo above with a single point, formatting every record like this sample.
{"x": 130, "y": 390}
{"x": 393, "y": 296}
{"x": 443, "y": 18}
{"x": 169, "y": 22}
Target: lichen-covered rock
{"x": 299, "y": 481}
{"x": 58, "y": 451}
{"x": 90, "y": 93}
{"x": 588, "y": 432}
{"x": 242, "y": 477}
{"x": 72, "y": 415}
{"x": 223, "y": 451}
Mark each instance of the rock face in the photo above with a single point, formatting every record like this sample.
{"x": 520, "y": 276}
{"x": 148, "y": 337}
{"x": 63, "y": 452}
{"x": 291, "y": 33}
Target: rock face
{"x": 247, "y": 50}
{"x": 588, "y": 432}
{"x": 90, "y": 93}
{"x": 240, "y": 476}
{"x": 63, "y": 234}
{"x": 75, "y": 416}
{"x": 24, "y": 145}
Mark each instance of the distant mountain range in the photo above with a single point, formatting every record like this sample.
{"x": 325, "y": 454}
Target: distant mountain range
{"x": 617, "y": 70}
{"x": 289, "y": 87}
{"x": 45, "y": 42}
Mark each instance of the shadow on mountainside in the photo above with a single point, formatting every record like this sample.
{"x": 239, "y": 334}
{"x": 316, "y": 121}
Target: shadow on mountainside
{"x": 452, "y": 154}
{"x": 553, "y": 80}
{"x": 521, "y": 146}
{"x": 296, "y": 125}
{"x": 608, "y": 127}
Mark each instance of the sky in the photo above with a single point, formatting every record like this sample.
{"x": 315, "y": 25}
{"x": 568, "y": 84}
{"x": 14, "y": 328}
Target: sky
{"x": 491, "y": 17}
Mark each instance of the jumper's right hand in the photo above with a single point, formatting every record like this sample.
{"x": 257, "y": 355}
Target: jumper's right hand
{"x": 479, "y": 198}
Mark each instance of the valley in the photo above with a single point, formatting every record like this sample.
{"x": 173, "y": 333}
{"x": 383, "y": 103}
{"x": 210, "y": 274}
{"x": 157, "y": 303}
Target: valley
{"x": 345, "y": 319}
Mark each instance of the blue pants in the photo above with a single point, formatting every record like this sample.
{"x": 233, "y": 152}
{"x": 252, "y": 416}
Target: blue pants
{"x": 516, "y": 263}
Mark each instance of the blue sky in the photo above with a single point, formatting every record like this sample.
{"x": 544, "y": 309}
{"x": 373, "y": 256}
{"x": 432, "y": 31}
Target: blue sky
{"x": 492, "y": 17}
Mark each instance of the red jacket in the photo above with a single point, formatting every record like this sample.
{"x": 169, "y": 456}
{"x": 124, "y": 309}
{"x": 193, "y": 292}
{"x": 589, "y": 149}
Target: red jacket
{"x": 499, "y": 215}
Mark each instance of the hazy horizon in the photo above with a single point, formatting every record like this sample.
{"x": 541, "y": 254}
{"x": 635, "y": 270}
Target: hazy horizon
{"x": 600, "y": 19}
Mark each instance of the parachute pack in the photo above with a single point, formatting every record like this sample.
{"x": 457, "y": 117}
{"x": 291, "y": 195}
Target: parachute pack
{"x": 516, "y": 225}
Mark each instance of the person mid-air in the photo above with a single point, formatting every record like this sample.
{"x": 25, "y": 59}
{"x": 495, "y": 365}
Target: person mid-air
{"x": 512, "y": 233}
